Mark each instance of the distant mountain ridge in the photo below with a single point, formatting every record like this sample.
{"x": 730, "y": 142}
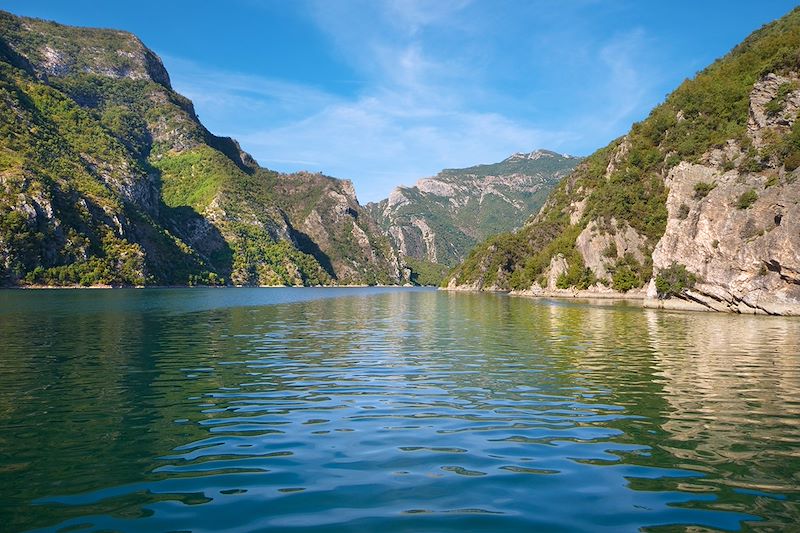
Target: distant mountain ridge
{"x": 441, "y": 218}
{"x": 108, "y": 177}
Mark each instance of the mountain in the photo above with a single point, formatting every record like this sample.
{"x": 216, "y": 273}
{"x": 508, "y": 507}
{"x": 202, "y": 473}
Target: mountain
{"x": 441, "y": 218}
{"x": 107, "y": 176}
{"x": 697, "y": 205}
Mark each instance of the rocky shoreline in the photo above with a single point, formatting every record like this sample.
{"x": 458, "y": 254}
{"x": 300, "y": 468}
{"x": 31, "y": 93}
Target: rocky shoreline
{"x": 640, "y": 295}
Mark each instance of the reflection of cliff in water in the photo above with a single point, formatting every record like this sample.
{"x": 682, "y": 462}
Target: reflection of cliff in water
{"x": 732, "y": 385}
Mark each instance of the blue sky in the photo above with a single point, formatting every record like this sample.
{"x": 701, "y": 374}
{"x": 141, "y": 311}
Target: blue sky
{"x": 387, "y": 92}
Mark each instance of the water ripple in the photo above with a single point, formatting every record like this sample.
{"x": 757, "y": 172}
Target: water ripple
{"x": 391, "y": 409}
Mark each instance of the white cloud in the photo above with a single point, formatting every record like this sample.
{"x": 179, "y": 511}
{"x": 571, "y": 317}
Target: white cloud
{"x": 224, "y": 92}
{"x": 427, "y": 100}
{"x": 378, "y": 145}
{"x": 628, "y": 83}
{"x": 413, "y": 15}
{"x": 381, "y": 139}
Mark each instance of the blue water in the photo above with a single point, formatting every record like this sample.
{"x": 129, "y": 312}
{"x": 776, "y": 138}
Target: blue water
{"x": 391, "y": 409}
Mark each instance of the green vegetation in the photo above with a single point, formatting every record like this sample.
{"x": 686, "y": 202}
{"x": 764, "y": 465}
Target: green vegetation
{"x": 259, "y": 260}
{"x": 777, "y": 104}
{"x": 747, "y": 199}
{"x": 109, "y": 177}
{"x": 576, "y": 276}
{"x": 674, "y": 281}
{"x": 517, "y": 260}
{"x": 627, "y": 273}
{"x": 121, "y": 264}
{"x": 194, "y": 177}
{"x": 426, "y": 273}
{"x": 81, "y": 48}
{"x": 476, "y": 214}
{"x": 625, "y": 279}
{"x": 210, "y": 279}
{"x": 634, "y": 192}
{"x": 787, "y": 149}
{"x": 340, "y": 233}
{"x": 548, "y": 163}
{"x": 701, "y": 189}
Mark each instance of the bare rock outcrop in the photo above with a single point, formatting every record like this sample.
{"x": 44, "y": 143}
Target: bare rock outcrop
{"x": 108, "y": 53}
{"x": 600, "y": 246}
{"x": 774, "y": 103}
{"x": 746, "y": 257}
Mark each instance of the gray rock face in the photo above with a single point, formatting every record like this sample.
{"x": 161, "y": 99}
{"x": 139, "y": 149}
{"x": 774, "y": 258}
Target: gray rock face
{"x": 764, "y": 120}
{"x": 746, "y": 259}
{"x": 745, "y": 254}
{"x": 326, "y": 212}
{"x": 64, "y": 50}
{"x": 601, "y": 248}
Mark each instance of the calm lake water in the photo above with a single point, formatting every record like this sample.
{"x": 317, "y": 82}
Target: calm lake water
{"x": 391, "y": 410}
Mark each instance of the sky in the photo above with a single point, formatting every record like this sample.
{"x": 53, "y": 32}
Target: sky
{"x": 385, "y": 92}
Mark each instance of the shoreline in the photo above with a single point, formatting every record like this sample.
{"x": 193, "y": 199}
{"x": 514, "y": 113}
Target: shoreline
{"x": 558, "y": 294}
{"x": 145, "y": 287}
{"x": 567, "y": 294}
{"x": 636, "y": 296}
{"x": 585, "y": 296}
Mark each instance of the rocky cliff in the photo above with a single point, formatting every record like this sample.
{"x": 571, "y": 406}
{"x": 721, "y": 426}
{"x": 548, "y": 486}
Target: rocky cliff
{"x": 441, "y": 218}
{"x": 697, "y": 205}
{"x": 108, "y": 177}
{"x": 334, "y": 228}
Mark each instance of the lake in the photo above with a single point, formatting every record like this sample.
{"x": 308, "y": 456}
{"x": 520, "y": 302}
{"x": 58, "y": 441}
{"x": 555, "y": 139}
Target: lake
{"x": 390, "y": 409}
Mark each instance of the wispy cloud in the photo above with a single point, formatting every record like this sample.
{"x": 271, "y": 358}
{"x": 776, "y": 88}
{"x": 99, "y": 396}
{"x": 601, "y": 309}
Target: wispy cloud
{"x": 373, "y": 143}
{"x": 433, "y": 93}
{"x": 628, "y": 84}
{"x": 254, "y": 99}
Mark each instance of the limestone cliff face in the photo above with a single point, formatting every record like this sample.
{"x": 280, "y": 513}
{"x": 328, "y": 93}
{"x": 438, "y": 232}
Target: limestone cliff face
{"x": 440, "y": 218}
{"x": 698, "y": 205}
{"x": 742, "y": 239}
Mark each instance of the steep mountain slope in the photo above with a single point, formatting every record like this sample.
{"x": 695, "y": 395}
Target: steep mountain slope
{"x": 441, "y": 218}
{"x": 332, "y": 226}
{"x": 108, "y": 177}
{"x": 698, "y": 202}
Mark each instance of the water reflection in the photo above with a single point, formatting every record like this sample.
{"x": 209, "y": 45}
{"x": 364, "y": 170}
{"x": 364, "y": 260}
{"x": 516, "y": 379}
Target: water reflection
{"x": 392, "y": 409}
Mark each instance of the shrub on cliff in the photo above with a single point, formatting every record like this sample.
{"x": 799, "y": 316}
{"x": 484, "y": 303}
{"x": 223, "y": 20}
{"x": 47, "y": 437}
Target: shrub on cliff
{"x": 674, "y": 281}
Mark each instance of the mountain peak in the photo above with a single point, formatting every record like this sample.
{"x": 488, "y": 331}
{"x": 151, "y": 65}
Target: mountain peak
{"x": 57, "y": 50}
{"x": 536, "y": 154}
